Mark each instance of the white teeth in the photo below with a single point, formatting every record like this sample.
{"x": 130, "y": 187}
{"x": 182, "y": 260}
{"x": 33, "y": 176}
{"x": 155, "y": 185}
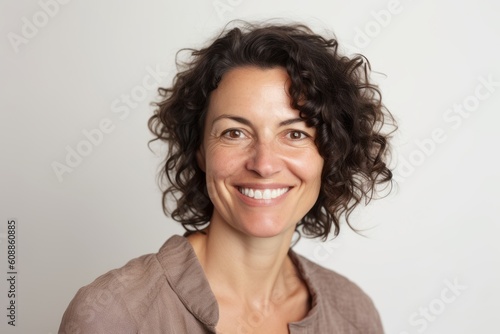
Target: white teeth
{"x": 266, "y": 194}
{"x": 263, "y": 193}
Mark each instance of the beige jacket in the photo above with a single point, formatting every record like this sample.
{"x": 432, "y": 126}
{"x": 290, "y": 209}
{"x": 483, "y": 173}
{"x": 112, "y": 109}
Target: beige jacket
{"x": 167, "y": 292}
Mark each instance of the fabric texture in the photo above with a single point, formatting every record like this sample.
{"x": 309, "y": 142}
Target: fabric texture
{"x": 168, "y": 292}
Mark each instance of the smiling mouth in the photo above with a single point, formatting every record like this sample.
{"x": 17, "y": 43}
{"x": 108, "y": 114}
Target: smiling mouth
{"x": 263, "y": 193}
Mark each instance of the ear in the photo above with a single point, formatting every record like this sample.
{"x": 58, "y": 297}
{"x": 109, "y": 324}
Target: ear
{"x": 200, "y": 158}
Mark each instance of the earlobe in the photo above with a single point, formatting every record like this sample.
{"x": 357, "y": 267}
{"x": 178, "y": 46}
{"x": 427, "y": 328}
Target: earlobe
{"x": 200, "y": 158}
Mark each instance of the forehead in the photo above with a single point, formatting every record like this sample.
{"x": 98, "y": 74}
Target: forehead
{"x": 251, "y": 90}
{"x": 255, "y": 76}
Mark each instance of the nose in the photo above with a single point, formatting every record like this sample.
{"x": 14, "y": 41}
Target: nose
{"x": 264, "y": 160}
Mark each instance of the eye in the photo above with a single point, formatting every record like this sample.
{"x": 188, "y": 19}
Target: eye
{"x": 232, "y": 134}
{"x": 297, "y": 135}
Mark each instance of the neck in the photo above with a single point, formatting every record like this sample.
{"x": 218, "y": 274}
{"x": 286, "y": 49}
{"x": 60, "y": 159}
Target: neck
{"x": 244, "y": 268}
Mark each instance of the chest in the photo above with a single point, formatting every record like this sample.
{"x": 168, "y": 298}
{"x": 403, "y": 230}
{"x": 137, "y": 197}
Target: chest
{"x": 254, "y": 322}
{"x": 272, "y": 319}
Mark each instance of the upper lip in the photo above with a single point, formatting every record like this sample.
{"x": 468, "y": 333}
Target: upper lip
{"x": 263, "y": 186}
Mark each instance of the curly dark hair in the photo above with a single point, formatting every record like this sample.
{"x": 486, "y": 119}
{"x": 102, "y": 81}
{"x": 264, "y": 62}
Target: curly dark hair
{"x": 332, "y": 92}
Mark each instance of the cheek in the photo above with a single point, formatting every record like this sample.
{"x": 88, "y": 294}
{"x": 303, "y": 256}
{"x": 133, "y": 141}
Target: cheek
{"x": 312, "y": 177}
{"x": 309, "y": 166}
{"x": 316, "y": 175}
{"x": 221, "y": 169}
{"x": 221, "y": 164}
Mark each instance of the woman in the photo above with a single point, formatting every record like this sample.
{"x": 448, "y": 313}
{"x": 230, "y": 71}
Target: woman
{"x": 270, "y": 132}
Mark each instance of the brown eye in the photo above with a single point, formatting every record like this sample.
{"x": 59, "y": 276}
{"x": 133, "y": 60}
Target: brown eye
{"x": 297, "y": 135}
{"x": 233, "y": 134}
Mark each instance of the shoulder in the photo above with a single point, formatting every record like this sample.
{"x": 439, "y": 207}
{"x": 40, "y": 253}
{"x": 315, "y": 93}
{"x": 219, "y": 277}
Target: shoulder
{"x": 337, "y": 294}
{"x": 115, "y": 301}
{"x": 335, "y": 285}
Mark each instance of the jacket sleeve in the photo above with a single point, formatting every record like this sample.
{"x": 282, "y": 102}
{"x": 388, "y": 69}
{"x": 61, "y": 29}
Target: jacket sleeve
{"x": 97, "y": 309}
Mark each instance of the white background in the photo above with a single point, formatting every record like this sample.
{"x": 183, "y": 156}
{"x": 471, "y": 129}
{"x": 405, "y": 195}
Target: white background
{"x": 439, "y": 227}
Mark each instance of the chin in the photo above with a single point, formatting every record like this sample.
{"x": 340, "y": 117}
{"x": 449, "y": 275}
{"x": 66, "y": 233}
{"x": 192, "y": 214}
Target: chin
{"x": 266, "y": 229}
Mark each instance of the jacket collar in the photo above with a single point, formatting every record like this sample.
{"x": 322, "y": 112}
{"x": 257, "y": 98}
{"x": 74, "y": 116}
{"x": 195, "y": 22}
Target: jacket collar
{"x": 187, "y": 279}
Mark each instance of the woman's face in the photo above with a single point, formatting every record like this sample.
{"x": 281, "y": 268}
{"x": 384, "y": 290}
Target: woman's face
{"x": 263, "y": 169}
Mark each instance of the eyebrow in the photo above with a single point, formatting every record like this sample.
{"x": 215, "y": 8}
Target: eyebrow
{"x": 238, "y": 119}
{"x": 291, "y": 121}
{"x": 245, "y": 121}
